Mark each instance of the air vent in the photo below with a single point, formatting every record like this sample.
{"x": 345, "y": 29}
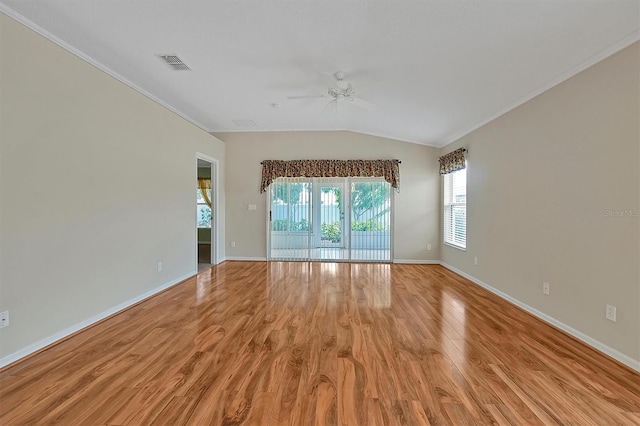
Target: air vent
{"x": 245, "y": 123}
{"x": 174, "y": 62}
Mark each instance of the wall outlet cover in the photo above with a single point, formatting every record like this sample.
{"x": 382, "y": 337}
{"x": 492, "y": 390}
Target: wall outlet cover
{"x": 4, "y": 319}
{"x": 611, "y": 313}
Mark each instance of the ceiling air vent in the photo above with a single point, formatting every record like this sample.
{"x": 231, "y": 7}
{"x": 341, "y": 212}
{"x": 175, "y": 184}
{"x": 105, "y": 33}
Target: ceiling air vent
{"x": 174, "y": 62}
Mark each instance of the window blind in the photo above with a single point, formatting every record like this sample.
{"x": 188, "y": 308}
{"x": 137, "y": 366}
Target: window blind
{"x": 455, "y": 208}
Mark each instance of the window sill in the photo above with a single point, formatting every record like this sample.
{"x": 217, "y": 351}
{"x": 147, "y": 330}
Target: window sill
{"x": 454, "y": 246}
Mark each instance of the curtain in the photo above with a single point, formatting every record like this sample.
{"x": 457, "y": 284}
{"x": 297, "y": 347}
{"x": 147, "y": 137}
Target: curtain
{"x": 273, "y": 169}
{"x": 205, "y": 184}
{"x": 453, "y": 161}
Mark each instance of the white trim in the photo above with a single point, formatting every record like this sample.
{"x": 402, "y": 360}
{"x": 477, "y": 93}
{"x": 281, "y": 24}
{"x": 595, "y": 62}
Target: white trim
{"x": 248, "y": 259}
{"x": 598, "y": 57}
{"x": 215, "y": 214}
{"x": 42, "y": 343}
{"x": 66, "y": 46}
{"x": 618, "y": 356}
{"x": 417, "y": 261}
{"x": 453, "y": 246}
{"x": 268, "y": 218}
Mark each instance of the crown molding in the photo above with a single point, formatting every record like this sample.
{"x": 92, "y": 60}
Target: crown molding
{"x": 598, "y": 57}
{"x": 97, "y": 64}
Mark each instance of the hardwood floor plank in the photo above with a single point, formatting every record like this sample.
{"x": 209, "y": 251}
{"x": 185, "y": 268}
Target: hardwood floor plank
{"x": 260, "y": 411}
{"x": 458, "y": 415}
{"x": 142, "y": 407}
{"x": 502, "y": 415}
{"x": 319, "y": 343}
{"x": 541, "y": 409}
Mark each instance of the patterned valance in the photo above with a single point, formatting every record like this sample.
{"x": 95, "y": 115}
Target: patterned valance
{"x": 273, "y": 169}
{"x": 453, "y": 161}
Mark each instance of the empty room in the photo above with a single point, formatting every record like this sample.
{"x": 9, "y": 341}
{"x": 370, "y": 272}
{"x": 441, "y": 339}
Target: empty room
{"x": 322, "y": 212}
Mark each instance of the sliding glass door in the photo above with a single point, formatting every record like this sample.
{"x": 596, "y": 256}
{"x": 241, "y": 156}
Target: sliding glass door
{"x": 334, "y": 219}
{"x": 291, "y": 220}
{"x": 370, "y": 224}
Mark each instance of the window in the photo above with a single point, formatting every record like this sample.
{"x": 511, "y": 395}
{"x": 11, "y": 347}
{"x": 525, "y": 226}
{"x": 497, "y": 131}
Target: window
{"x": 290, "y": 206}
{"x": 455, "y": 208}
{"x": 337, "y": 219}
{"x": 203, "y": 211}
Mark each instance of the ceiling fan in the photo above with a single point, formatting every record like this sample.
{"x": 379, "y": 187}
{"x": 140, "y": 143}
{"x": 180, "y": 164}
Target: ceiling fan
{"x": 341, "y": 91}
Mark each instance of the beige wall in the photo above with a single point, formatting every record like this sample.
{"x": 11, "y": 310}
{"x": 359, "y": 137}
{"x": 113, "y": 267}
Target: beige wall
{"x": 83, "y": 155}
{"x": 105, "y": 161}
{"x": 416, "y": 206}
{"x": 540, "y": 181}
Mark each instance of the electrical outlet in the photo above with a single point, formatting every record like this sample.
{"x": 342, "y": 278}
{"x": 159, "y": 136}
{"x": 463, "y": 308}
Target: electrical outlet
{"x": 4, "y": 319}
{"x": 159, "y": 266}
{"x": 475, "y": 261}
{"x": 233, "y": 243}
{"x": 428, "y": 246}
{"x": 611, "y": 313}
{"x": 546, "y": 288}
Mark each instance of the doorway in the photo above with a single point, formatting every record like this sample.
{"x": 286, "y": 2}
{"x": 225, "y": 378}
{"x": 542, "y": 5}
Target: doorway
{"x": 332, "y": 219}
{"x": 206, "y": 212}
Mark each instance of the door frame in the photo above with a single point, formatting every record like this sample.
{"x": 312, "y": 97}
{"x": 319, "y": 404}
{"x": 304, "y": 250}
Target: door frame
{"x": 346, "y": 184}
{"x": 215, "y": 208}
{"x": 317, "y": 209}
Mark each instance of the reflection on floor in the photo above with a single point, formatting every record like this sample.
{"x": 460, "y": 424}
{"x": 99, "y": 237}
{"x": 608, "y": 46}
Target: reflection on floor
{"x": 204, "y": 266}
{"x": 320, "y": 343}
{"x": 329, "y": 253}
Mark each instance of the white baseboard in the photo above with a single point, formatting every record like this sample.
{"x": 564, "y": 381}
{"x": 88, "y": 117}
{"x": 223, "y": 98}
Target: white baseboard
{"x": 248, "y": 259}
{"x": 417, "y": 261}
{"x": 596, "y": 344}
{"x": 263, "y": 259}
{"x": 34, "y": 347}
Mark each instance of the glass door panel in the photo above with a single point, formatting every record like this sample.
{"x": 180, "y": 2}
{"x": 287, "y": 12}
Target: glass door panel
{"x": 290, "y": 219}
{"x": 331, "y": 215}
{"x": 370, "y": 230}
{"x": 329, "y": 208}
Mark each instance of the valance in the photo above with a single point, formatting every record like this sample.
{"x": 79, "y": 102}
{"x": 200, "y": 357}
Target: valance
{"x": 453, "y": 161}
{"x": 273, "y": 169}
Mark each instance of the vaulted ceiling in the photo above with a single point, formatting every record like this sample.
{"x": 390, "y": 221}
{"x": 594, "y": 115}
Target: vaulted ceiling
{"x": 434, "y": 70}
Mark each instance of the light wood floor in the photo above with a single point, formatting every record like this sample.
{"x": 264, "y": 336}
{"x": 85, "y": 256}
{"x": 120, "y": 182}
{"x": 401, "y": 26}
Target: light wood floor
{"x": 320, "y": 343}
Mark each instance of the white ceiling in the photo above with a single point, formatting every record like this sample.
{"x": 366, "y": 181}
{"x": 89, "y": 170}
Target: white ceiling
{"x": 435, "y": 69}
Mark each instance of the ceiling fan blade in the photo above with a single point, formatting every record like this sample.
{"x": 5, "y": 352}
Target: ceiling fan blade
{"x": 307, "y": 97}
{"x": 363, "y": 104}
{"x": 330, "y": 80}
{"x": 331, "y": 108}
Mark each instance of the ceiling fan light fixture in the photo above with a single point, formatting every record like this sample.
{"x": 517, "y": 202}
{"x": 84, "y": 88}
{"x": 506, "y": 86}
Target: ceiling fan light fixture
{"x": 340, "y": 90}
{"x": 339, "y": 77}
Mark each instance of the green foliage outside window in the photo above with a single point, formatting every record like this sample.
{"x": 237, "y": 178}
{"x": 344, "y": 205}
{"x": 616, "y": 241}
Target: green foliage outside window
{"x": 294, "y": 226}
{"x": 204, "y": 221}
{"x": 331, "y": 231}
{"x": 367, "y": 225}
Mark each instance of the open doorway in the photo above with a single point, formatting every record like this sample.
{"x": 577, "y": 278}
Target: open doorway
{"x": 206, "y": 207}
